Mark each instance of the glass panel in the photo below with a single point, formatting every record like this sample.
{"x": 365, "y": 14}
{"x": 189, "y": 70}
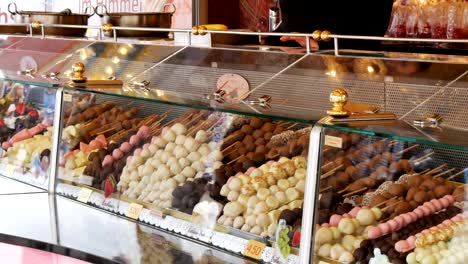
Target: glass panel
{"x": 27, "y": 113}
{"x": 104, "y": 60}
{"x": 178, "y": 160}
{"x": 382, "y": 196}
{"x": 38, "y": 54}
{"x": 136, "y": 244}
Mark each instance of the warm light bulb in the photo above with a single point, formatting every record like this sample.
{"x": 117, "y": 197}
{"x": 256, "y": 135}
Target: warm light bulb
{"x": 115, "y": 60}
{"x": 370, "y": 69}
{"x": 331, "y": 73}
{"x": 109, "y": 70}
{"x": 123, "y": 51}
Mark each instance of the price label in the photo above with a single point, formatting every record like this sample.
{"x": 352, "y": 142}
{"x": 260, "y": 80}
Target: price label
{"x": 134, "y": 210}
{"x": 67, "y": 97}
{"x": 332, "y": 141}
{"x": 9, "y": 170}
{"x": 254, "y": 249}
{"x": 84, "y": 195}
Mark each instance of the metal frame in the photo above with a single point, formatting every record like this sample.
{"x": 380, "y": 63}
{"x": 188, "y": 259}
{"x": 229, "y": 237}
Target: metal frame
{"x": 311, "y": 196}
{"x": 308, "y": 36}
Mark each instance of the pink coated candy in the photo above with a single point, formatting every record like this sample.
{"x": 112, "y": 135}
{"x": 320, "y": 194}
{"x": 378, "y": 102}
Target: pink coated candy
{"x": 444, "y": 202}
{"x": 407, "y": 218}
{"x": 419, "y": 212}
{"x": 143, "y": 132}
{"x": 449, "y": 198}
{"x": 413, "y": 216}
{"x": 164, "y": 131}
{"x": 447, "y": 222}
{"x": 425, "y": 231}
{"x": 129, "y": 159}
{"x": 402, "y": 246}
{"x": 393, "y": 225}
{"x": 249, "y": 171}
{"x": 146, "y": 146}
{"x": 354, "y": 211}
{"x": 438, "y": 204}
{"x": 325, "y": 225}
{"x": 335, "y": 219}
{"x": 457, "y": 218}
{"x": 400, "y": 221}
{"x": 108, "y": 160}
{"x": 117, "y": 154}
{"x": 385, "y": 228}
{"x": 6, "y": 145}
{"x": 411, "y": 240}
{"x": 134, "y": 140}
{"x": 426, "y": 210}
{"x": 465, "y": 214}
{"x": 430, "y": 206}
{"x": 137, "y": 152}
{"x": 374, "y": 233}
{"x": 126, "y": 147}
{"x": 347, "y": 216}
{"x": 153, "y": 140}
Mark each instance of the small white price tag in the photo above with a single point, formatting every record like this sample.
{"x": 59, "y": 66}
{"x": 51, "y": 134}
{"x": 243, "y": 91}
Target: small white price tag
{"x": 134, "y": 210}
{"x": 84, "y": 195}
{"x": 332, "y": 141}
{"x": 67, "y": 97}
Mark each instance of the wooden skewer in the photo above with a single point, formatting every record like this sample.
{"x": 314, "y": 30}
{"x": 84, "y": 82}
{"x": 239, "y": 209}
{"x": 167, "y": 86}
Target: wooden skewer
{"x": 407, "y": 149}
{"x": 455, "y": 175}
{"x": 232, "y": 161}
{"x": 425, "y": 156}
{"x": 344, "y": 190}
{"x": 196, "y": 128}
{"x": 443, "y": 173}
{"x": 355, "y": 192}
{"x": 291, "y": 126}
{"x": 328, "y": 164}
{"x": 423, "y": 172}
{"x": 195, "y": 119}
{"x": 436, "y": 169}
{"x": 331, "y": 172}
{"x": 185, "y": 118}
{"x": 227, "y": 154}
{"x": 384, "y": 202}
{"x": 230, "y": 146}
{"x": 325, "y": 189}
{"x": 390, "y": 205}
{"x": 273, "y": 157}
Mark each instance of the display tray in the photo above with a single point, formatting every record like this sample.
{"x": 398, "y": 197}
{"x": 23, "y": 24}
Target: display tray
{"x": 63, "y": 226}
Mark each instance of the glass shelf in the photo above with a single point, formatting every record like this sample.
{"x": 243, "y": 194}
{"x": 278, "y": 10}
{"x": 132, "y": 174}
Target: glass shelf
{"x": 444, "y": 136}
{"x": 276, "y": 112}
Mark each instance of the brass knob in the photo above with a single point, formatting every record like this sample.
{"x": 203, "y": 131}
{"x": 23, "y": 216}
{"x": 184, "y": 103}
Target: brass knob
{"x": 338, "y": 98}
{"x": 78, "y": 70}
{"x": 202, "y": 30}
{"x": 325, "y": 35}
{"x": 195, "y": 30}
{"x": 316, "y": 35}
{"x": 107, "y": 27}
{"x": 36, "y": 24}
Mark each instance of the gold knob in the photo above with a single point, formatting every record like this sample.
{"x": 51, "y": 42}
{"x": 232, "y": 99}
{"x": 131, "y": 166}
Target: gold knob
{"x": 107, "y": 27}
{"x": 195, "y": 30}
{"x": 202, "y": 30}
{"x": 78, "y": 70}
{"x": 36, "y": 24}
{"x": 325, "y": 35}
{"x": 338, "y": 98}
{"x": 316, "y": 35}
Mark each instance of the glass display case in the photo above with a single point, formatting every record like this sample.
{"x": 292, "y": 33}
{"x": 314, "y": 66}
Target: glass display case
{"x": 232, "y": 149}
